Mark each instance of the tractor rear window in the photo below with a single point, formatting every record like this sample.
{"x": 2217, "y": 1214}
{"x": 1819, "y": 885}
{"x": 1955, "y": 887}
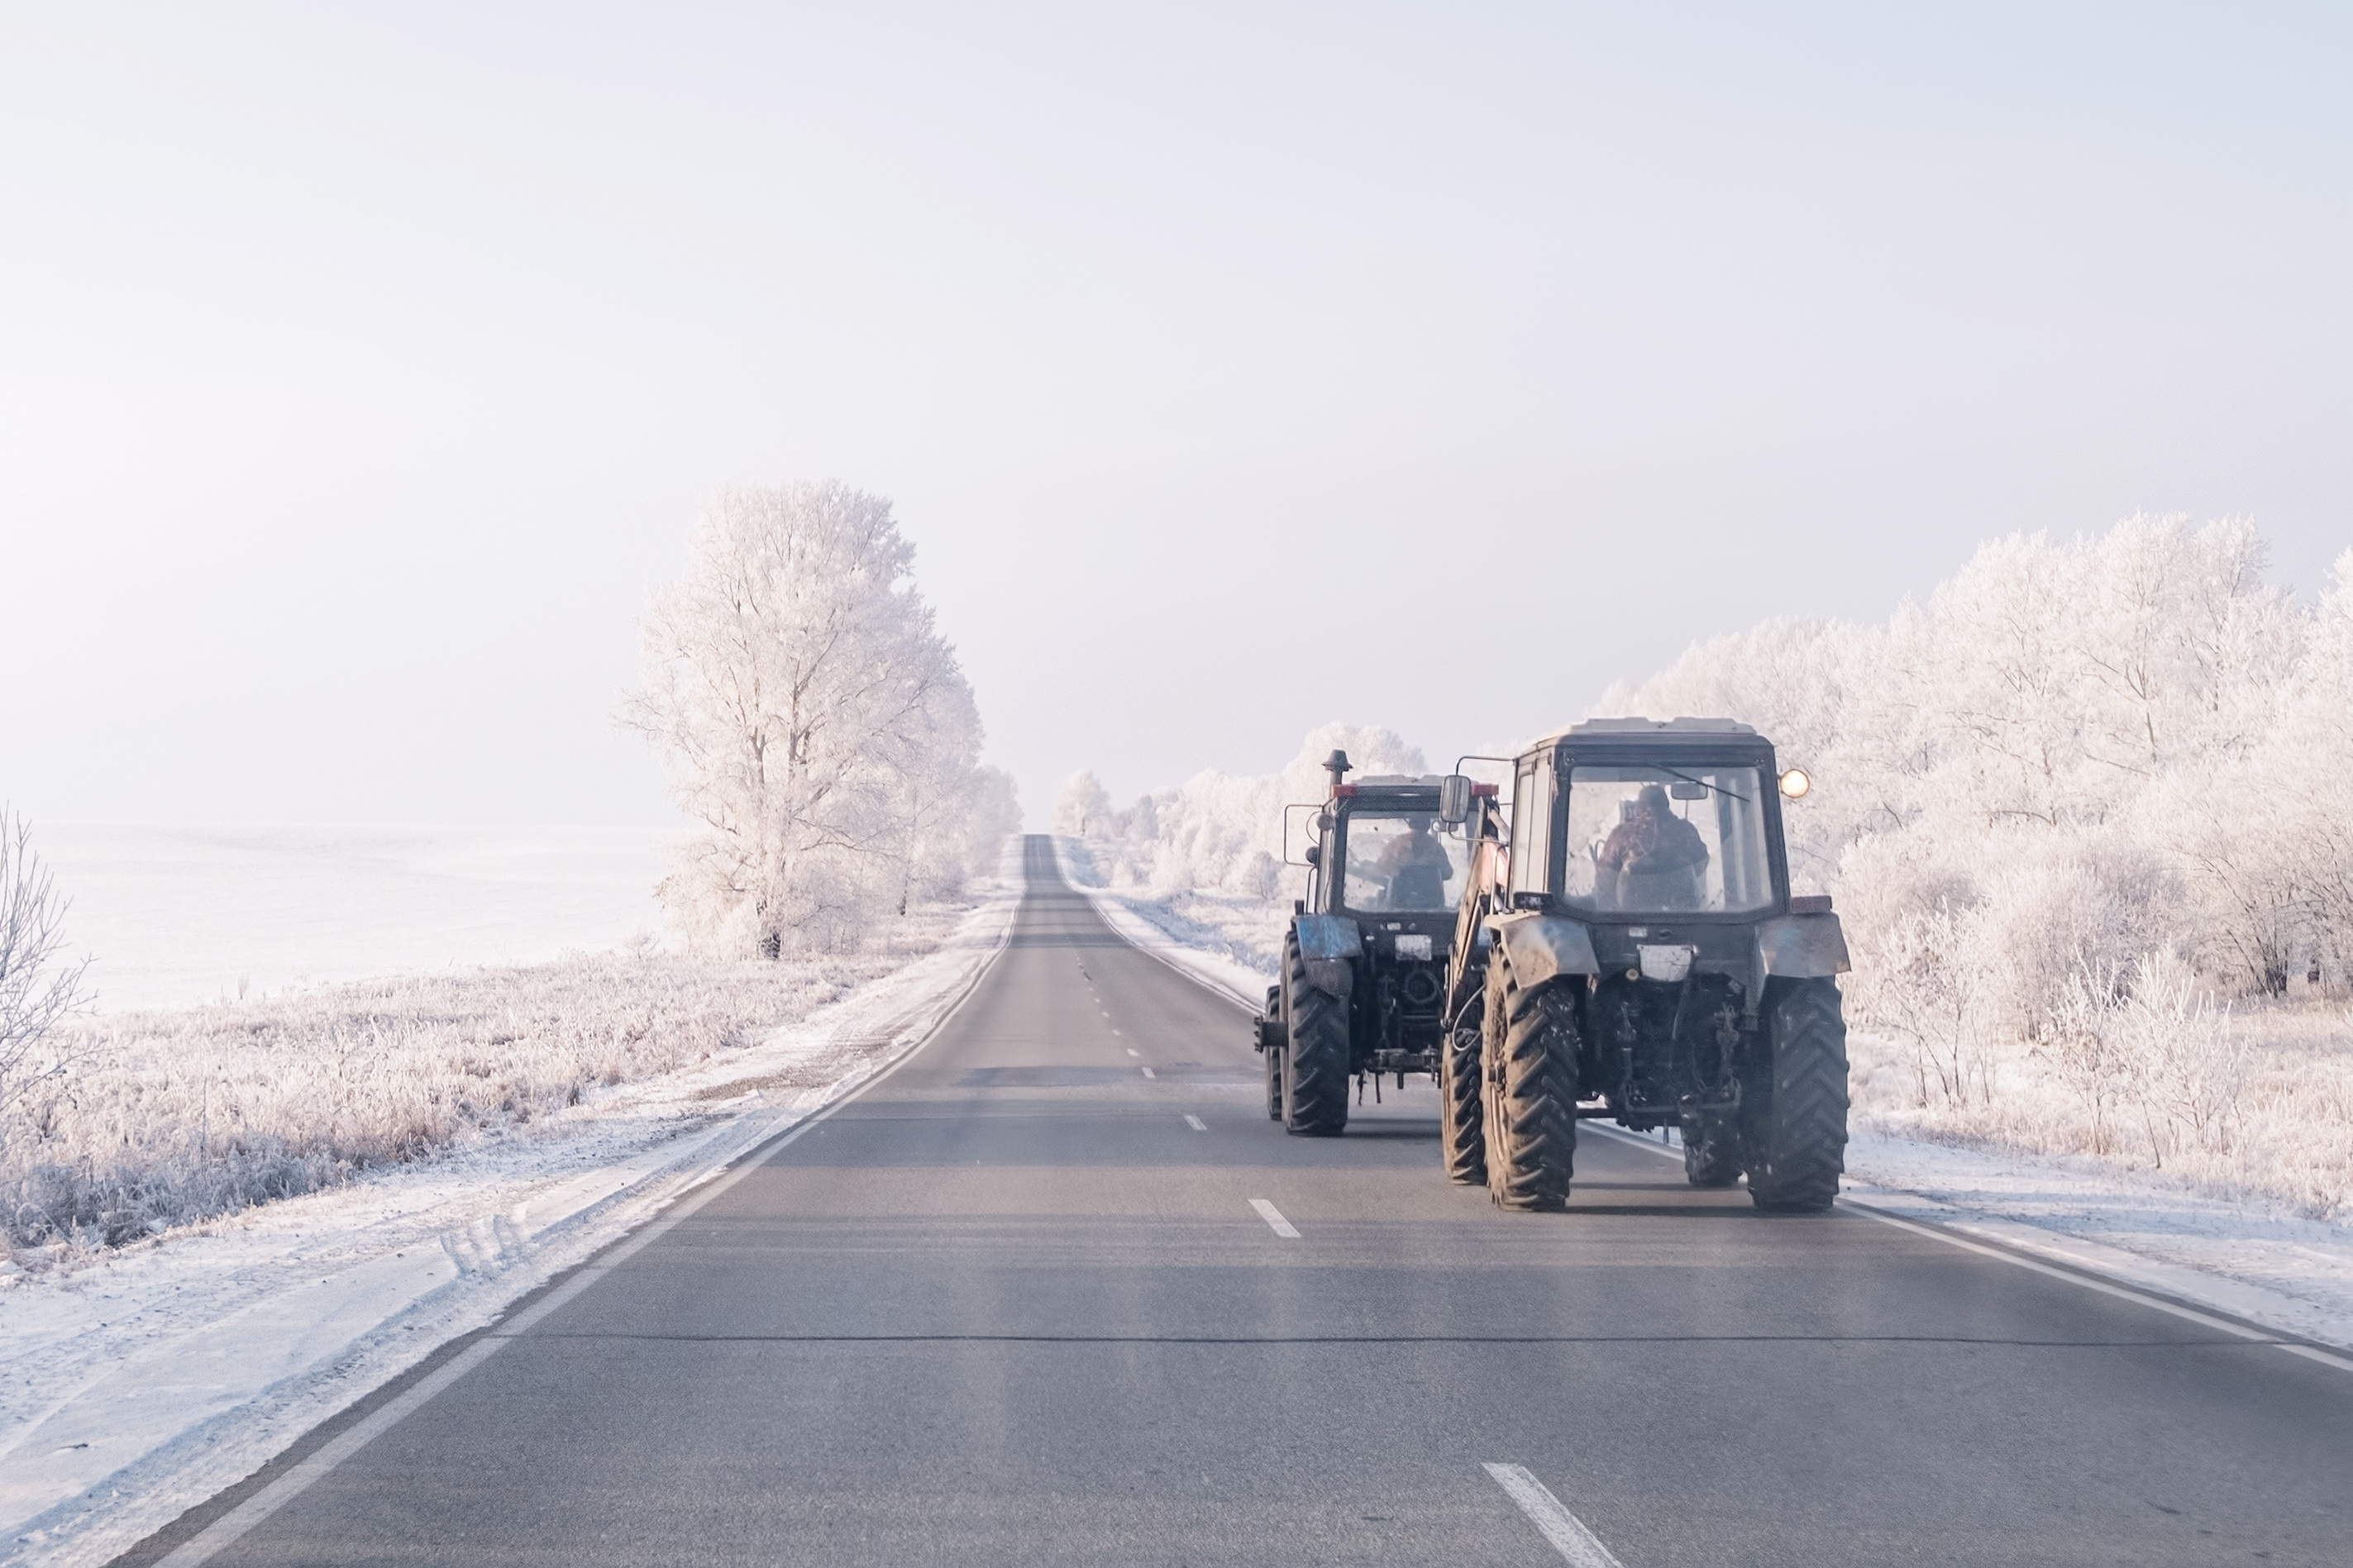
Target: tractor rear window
{"x": 1667, "y": 840}
{"x": 1403, "y": 863}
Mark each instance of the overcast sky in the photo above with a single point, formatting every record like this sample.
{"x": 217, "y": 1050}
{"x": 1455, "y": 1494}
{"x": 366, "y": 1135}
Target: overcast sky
{"x": 1234, "y": 368}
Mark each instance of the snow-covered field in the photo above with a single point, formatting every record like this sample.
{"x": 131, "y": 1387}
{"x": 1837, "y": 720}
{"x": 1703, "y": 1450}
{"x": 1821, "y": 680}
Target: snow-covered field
{"x": 174, "y": 914}
{"x": 2266, "y": 1259}
{"x": 144, "y": 1378}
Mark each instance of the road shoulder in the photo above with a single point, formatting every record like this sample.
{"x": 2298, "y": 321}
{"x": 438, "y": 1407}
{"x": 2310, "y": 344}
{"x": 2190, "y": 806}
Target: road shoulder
{"x": 160, "y": 1379}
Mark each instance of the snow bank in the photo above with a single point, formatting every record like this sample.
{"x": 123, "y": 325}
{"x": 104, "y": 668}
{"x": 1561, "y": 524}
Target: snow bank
{"x": 168, "y": 1118}
{"x": 156, "y": 1374}
{"x": 1240, "y": 966}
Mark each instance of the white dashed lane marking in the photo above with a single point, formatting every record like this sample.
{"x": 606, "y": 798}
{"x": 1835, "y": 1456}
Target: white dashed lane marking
{"x": 1194, "y": 1123}
{"x": 1273, "y": 1217}
{"x": 1147, "y": 1072}
{"x": 1562, "y": 1529}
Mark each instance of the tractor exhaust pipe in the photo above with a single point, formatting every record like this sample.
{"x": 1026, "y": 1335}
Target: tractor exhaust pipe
{"x": 1336, "y": 764}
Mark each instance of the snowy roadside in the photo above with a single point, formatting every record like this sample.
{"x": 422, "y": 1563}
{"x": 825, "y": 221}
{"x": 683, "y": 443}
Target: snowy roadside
{"x": 2284, "y": 1272}
{"x": 139, "y": 1386}
{"x": 1231, "y": 966}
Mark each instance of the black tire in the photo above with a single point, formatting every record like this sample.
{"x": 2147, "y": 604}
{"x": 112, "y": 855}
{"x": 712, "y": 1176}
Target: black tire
{"x": 1795, "y": 1111}
{"x": 1461, "y": 1110}
{"x": 1315, "y": 1062}
{"x": 1530, "y": 1074}
{"x": 1710, "y": 1151}
{"x": 1271, "y": 1030}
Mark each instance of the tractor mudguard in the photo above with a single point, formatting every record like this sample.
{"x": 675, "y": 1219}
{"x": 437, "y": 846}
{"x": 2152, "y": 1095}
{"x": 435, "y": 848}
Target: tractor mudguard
{"x": 1543, "y": 947}
{"x": 1803, "y": 947}
{"x": 1330, "y": 944}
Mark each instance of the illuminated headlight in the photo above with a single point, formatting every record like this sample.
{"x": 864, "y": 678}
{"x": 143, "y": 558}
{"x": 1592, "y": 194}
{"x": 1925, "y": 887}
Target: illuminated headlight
{"x": 1795, "y": 783}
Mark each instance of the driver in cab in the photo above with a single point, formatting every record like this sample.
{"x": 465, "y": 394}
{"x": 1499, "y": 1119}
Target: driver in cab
{"x": 1415, "y": 869}
{"x": 1652, "y": 860}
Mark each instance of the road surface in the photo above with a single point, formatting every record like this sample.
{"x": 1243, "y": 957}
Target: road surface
{"x": 1030, "y": 1300}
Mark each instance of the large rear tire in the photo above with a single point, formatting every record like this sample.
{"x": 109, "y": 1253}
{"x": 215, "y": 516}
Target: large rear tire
{"x": 1461, "y": 1114}
{"x": 1796, "y": 1111}
{"x": 1530, "y": 1075}
{"x": 1316, "y": 1063}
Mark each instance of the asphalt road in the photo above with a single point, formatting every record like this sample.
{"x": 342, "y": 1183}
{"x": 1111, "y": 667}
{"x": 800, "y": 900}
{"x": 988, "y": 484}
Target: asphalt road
{"x": 1013, "y": 1306}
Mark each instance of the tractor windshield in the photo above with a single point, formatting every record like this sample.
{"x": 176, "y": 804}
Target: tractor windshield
{"x": 1403, "y": 863}
{"x": 1662, "y": 839}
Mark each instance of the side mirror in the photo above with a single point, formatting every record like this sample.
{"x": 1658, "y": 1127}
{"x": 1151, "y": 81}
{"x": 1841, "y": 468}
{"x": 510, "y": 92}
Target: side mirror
{"x": 1315, "y": 854}
{"x": 1453, "y": 799}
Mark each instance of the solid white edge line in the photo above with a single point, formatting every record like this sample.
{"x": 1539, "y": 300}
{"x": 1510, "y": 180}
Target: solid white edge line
{"x": 1213, "y": 987}
{"x": 1567, "y": 1533}
{"x": 1273, "y": 1217}
{"x": 226, "y": 1531}
{"x": 1196, "y": 1123}
{"x": 2125, "y": 1292}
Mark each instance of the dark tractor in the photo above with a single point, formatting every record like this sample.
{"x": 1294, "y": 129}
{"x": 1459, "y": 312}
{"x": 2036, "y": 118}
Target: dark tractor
{"x": 1363, "y": 991}
{"x": 1629, "y": 949}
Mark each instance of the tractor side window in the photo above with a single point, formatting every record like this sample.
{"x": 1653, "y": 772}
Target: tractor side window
{"x": 1532, "y": 826}
{"x": 1667, "y": 840}
{"x": 1404, "y": 863}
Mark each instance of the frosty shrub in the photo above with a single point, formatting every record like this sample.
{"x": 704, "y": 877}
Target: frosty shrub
{"x": 39, "y": 987}
{"x": 2085, "y": 791}
{"x": 1924, "y": 991}
{"x": 175, "y": 1116}
{"x": 818, "y": 731}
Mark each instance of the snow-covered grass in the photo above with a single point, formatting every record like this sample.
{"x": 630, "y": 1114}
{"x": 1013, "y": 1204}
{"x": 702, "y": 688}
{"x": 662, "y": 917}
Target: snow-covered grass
{"x": 2254, "y": 1106}
{"x": 173, "y": 1117}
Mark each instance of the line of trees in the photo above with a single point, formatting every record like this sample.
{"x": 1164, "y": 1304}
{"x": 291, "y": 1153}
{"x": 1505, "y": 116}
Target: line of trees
{"x": 1217, "y": 830}
{"x": 2077, "y": 759}
{"x": 818, "y": 731}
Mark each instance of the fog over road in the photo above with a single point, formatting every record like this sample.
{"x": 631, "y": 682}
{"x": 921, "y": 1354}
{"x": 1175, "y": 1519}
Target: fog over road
{"x": 1025, "y": 1302}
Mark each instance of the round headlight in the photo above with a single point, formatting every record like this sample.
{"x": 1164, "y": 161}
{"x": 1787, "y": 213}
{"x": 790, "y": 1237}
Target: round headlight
{"x": 1795, "y": 783}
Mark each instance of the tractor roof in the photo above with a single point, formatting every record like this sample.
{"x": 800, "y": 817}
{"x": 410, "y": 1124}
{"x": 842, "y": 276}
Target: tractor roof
{"x": 1648, "y": 727}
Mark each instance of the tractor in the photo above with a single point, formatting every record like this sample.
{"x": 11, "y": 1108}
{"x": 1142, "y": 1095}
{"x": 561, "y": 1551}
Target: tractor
{"x": 1362, "y": 986}
{"x": 1627, "y": 950}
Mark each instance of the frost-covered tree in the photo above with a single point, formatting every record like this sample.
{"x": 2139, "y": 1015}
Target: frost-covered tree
{"x": 39, "y": 987}
{"x": 2074, "y": 753}
{"x": 1222, "y": 830}
{"x": 819, "y": 729}
{"x": 1083, "y": 800}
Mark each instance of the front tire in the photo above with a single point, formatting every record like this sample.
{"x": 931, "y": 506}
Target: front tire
{"x": 1316, "y": 1061}
{"x": 1796, "y": 1106}
{"x": 1530, "y": 1074}
{"x": 1273, "y": 1055}
{"x": 1710, "y": 1151}
{"x": 1461, "y": 1120}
